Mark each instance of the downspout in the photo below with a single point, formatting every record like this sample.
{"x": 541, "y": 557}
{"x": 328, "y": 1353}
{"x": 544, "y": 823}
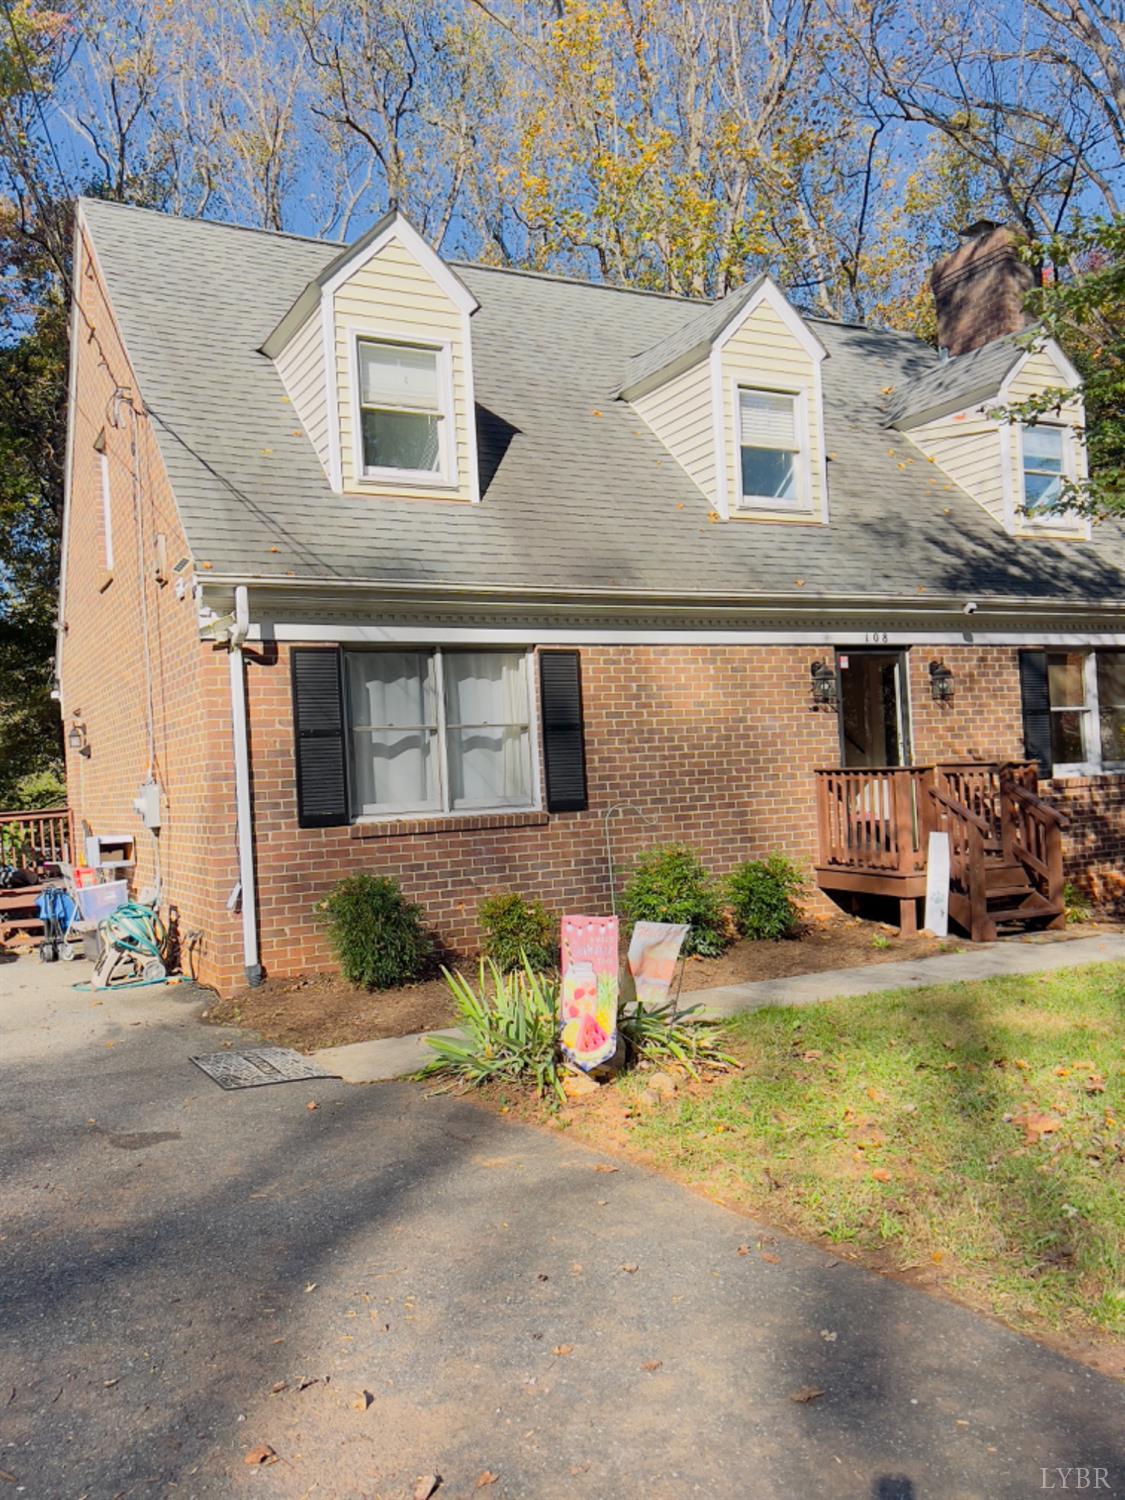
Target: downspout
{"x": 238, "y": 632}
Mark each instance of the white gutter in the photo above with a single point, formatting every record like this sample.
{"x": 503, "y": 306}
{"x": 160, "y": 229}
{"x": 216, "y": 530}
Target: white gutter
{"x": 238, "y": 634}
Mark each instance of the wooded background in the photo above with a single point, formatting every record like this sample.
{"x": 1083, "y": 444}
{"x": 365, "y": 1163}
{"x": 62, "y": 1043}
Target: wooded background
{"x": 680, "y": 145}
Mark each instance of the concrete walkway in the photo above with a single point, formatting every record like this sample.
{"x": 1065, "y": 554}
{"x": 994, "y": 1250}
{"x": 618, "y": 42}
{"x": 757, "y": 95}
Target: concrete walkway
{"x": 397, "y": 1057}
{"x": 391, "y": 1285}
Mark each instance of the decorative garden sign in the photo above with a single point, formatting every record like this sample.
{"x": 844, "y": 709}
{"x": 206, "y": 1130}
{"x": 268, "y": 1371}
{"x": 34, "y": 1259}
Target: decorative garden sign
{"x": 588, "y": 1003}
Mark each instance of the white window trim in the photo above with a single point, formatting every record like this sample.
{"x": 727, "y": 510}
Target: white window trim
{"x": 1056, "y": 520}
{"x": 802, "y": 504}
{"x": 1093, "y": 765}
{"x": 445, "y": 476}
{"x": 443, "y": 811}
{"x": 107, "y": 512}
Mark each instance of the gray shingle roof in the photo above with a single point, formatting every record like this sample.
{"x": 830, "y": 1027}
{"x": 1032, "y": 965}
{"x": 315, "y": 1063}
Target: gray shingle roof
{"x": 955, "y": 383}
{"x": 577, "y": 492}
{"x": 695, "y": 333}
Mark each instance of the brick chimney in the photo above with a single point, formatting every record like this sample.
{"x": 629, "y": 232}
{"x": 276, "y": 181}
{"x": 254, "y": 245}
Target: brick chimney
{"x": 979, "y": 288}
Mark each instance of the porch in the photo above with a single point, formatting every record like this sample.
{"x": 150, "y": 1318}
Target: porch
{"x": 1005, "y": 841}
{"x": 32, "y": 847}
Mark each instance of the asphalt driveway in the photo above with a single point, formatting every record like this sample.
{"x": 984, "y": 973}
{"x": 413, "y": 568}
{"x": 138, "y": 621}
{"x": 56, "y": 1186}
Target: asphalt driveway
{"x": 391, "y": 1285}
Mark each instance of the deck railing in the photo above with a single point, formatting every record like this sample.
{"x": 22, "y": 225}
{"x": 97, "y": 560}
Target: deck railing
{"x": 873, "y": 818}
{"x": 879, "y": 818}
{"x": 29, "y": 840}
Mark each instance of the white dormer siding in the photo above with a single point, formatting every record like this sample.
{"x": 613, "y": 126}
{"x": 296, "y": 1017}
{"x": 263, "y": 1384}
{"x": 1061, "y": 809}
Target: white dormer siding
{"x": 1044, "y": 370}
{"x": 301, "y": 367}
{"x": 967, "y": 446}
{"x": 681, "y": 414}
{"x": 763, "y": 349}
{"x": 984, "y": 456}
{"x": 390, "y": 290}
{"x": 769, "y": 349}
{"x": 393, "y": 298}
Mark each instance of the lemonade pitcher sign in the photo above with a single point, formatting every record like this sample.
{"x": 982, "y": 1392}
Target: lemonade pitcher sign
{"x": 588, "y": 1002}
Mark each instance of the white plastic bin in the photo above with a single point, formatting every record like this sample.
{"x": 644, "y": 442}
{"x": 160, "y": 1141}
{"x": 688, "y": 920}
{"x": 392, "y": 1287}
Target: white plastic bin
{"x": 98, "y": 901}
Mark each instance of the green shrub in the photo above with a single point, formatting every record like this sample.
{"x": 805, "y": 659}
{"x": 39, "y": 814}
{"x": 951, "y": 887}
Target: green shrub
{"x": 662, "y": 1036}
{"x": 511, "y": 1026}
{"x": 671, "y": 885}
{"x": 765, "y": 897}
{"x": 375, "y": 932}
{"x": 513, "y": 927}
{"x": 1076, "y": 903}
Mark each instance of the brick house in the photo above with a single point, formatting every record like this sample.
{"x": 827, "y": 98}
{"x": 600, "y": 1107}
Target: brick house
{"x": 376, "y": 562}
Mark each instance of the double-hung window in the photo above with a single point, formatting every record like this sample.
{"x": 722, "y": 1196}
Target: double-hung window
{"x": 1086, "y": 690}
{"x": 438, "y": 731}
{"x": 1044, "y": 458}
{"x": 772, "y": 456}
{"x": 403, "y": 412}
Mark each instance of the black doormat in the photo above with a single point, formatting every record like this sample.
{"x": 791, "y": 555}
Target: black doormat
{"x": 249, "y": 1070}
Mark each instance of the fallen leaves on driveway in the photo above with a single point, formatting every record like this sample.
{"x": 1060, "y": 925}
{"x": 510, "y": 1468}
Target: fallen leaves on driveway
{"x": 261, "y": 1455}
{"x": 425, "y": 1485}
{"x": 563, "y": 1349}
{"x": 488, "y": 1477}
{"x": 605, "y": 1166}
{"x": 805, "y": 1394}
{"x": 652, "y": 1364}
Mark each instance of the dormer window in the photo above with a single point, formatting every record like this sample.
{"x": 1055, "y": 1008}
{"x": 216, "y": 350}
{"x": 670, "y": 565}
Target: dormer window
{"x": 774, "y": 451}
{"x": 1044, "y": 450}
{"x": 404, "y": 410}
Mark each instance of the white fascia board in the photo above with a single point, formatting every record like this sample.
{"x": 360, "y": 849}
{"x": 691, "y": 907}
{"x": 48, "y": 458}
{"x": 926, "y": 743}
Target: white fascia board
{"x": 429, "y": 633}
{"x": 431, "y": 262}
{"x": 772, "y": 296}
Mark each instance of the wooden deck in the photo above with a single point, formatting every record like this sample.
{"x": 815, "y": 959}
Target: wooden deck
{"x": 1005, "y": 841}
{"x": 37, "y": 842}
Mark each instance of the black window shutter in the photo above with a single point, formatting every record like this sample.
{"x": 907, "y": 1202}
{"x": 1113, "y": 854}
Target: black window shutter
{"x": 1036, "y": 708}
{"x": 318, "y": 730}
{"x": 564, "y": 734}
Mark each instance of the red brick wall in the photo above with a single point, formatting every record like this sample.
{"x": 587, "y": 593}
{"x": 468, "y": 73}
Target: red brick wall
{"x": 716, "y": 744}
{"x": 1094, "y": 843}
{"x": 103, "y": 679}
{"x": 983, "y": 721}
{"x": 713, "y": 744}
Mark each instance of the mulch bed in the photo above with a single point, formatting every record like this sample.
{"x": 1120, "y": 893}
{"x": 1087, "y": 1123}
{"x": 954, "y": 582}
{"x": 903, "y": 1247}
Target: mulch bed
{"x": 323, "y": 1010}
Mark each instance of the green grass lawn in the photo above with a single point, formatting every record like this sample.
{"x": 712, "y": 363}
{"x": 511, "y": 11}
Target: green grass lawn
{"x": 974, "y": 1131}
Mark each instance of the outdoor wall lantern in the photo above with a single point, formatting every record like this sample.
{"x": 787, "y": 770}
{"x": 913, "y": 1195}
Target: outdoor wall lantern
{"x": 941, "y": 682}
{"x": 76, "y": 738}
{"x": 823, "y": 684}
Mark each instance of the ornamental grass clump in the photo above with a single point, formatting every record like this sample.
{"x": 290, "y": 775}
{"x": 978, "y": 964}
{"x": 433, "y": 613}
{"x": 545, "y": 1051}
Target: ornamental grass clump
{"x": 670, "y": 884}
{"x": 375, "y": 932}
{"x": 514, "y": 929}
{"x": 661, "y": 1035}
{"x": 511, "y": 1024}
{"x": 765, "y": 896}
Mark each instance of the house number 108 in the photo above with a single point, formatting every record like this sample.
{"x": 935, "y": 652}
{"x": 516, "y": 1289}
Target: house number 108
{"x": 881, "y": 637}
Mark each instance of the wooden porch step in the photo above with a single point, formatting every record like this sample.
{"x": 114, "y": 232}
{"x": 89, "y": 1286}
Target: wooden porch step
{"x": 1040, "y": 907}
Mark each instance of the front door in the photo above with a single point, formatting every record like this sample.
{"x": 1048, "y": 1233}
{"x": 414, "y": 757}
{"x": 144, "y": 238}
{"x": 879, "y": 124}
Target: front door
{"x": 873, "y": 717}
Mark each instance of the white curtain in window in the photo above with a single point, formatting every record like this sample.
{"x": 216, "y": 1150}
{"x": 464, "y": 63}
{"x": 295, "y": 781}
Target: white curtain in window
{"x": 487, "y": 729}
{"x": 398, "y": 376}
{"x": 767, "y": 420}
{"x": 393, "y": 714}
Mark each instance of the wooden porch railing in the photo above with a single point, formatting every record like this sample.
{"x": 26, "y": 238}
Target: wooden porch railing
{"x": 1005, "y": 842}
{"x": 873, "y": 818}
{"x": 29, "y": 840}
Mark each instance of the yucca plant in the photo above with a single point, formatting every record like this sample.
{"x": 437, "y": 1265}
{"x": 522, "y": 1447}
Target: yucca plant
{"x": 660, "y": 1035}
{"x": 511, "y": 1025}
